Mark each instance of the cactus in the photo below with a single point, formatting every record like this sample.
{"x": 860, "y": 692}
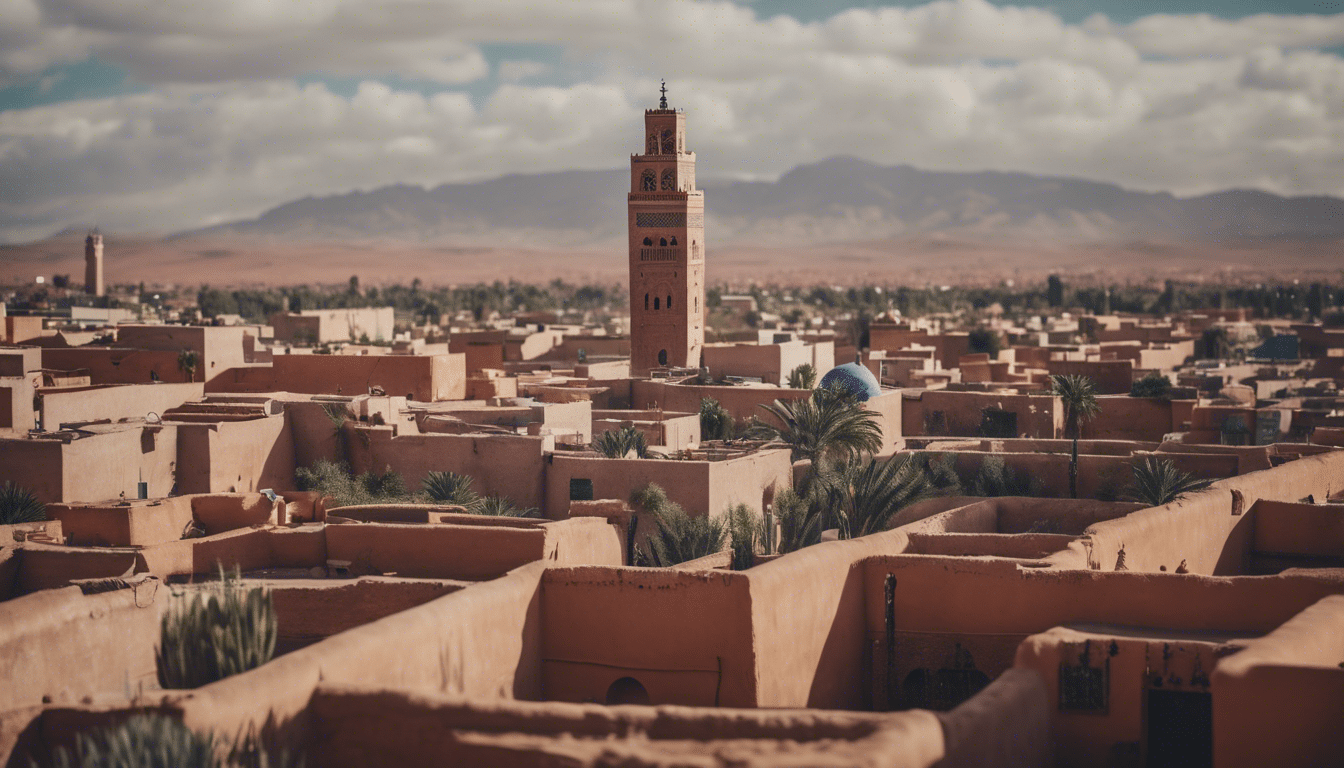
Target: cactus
{"x": 221, "y": 630}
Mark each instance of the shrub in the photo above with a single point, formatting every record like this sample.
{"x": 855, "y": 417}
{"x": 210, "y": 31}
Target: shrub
{"x": 746, "y": 533}
{"x": 715, "y": 421}
{"x": 450, "y": 488}
{"x": 156, "y": 741}
{"x": 496, "y": 506}
{"x": 334, "y": 479}
{"x": 19, "y": 505}
{"x": 619, "y": 443}
{"x": 218, "y": 631}
{"x": 679, "y": 537}
{"x": 799, "y": 520}
{"x": 803, "y": 377}
{"x": 1152, "y": 385}
{"x": 1158, "y": 482}
{"x": 995, "y": 478}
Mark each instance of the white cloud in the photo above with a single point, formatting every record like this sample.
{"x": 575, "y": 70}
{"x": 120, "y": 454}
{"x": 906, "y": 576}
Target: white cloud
{"x": 955, "y": 84}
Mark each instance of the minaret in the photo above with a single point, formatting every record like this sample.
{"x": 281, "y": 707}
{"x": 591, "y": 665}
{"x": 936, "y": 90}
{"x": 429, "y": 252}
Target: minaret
{"x": 667, "y": 247}
{"x": 93, "y": 264}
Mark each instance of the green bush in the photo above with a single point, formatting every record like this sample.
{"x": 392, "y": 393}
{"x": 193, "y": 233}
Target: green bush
{"x": 19, "y": 505}
{"x": 800, "y": 520}
{"x": 450, "y": 488}
{"x": 995, "y": 478}
{"x": 746, "y": 534}
{"x": 619, "y": 443}
{"x": 156, "y": 741}
{"x": 333, "y": 479}
{"x": 1152, "y": 385}
{"x": 679, "y": 537}
{"x": 497, "y": 506}
{"x": 219, "y": 630}
{"x": 1157, "y": 482}
{"x": 716, "y": 423}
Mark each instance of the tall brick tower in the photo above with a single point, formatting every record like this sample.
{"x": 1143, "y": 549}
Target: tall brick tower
{"x": 93, "y": 265}
{"x": 667, "y": 247}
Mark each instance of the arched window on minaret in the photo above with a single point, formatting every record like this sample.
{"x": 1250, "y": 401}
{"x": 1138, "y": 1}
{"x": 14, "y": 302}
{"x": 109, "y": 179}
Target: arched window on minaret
{"x": 669, "y": 301}
{"x": 646, "y": 301}
{"x": 669, "y": 180}
{"x": 662, "y": 241}
{"x": 669, "y": 142}
{"x": 673, "y": 241}
{"x": 648, "y": 181}
{"x": 655, "y": 302}
{"x": 648, "y": 241}
{"x": 652, "y": 147}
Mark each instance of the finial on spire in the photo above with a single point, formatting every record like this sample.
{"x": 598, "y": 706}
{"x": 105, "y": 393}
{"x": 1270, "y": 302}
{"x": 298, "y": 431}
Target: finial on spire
{"x": 662, "y": 103}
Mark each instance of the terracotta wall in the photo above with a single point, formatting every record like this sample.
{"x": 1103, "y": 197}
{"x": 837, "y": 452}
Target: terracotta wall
{"x": 1038, "y": 416}
{"x": 16, "y": 403}
{"x": 118, "y": 365}
{"x": 480, "y": 642}
{"x": 95, "y": 467}
{"x": 1007, "y": 724}
{"x": 686, "y": 636}
{"x": 235, "y": 456}
{"x": 140, "y": 524}
{"x": 65, "y": 645}
{"x": 1279, "y": 702}
{"x": 512, "y": 466}
{"x": 1130, "y": 418}
{"x": 742, "y": 402}
{"x": 1202, "y": 529}
{"x": 1111, "y": 377}
{"x": 1289, "y": 528}
{"x": 700, "y": 487}
{"x": 76, "y": 404}
{"x": 424, "y": 378}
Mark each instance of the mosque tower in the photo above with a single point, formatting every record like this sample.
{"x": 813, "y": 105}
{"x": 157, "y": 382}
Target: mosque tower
{"x": 93, "y": 264}
{"x": 667, "y": 247}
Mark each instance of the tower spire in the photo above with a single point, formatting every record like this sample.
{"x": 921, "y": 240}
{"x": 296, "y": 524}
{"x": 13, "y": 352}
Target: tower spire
{"x": 662, "y": 103}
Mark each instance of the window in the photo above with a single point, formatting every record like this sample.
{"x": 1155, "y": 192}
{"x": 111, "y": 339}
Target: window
{"x": 648, "y": 241}
{"x": 662, "y": 357}
{"x": 648, "y": 181}
{"x": 652, "y": 147}
{"x": 655, "y": 302}
{"x": 646, "y": 301}
{"x": 662, "y": 241}
{"x": 669, "y": 180}
{"x": 669, "y": 301}
{"x": 580, "y": 489}
{"x": 673, "y": 241}
{"x": 627, "y": 690}
{"x": 669, "y": 142}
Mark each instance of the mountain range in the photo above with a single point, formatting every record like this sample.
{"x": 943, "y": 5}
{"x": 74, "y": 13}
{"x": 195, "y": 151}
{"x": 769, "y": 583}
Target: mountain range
{"x": 837, "y": 200}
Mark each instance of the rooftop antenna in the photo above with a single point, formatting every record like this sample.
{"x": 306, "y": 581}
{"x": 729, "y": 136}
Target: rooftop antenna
{"x": 662, "y": 103}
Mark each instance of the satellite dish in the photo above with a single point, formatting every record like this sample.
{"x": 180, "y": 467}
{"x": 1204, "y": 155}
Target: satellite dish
{"x": 152, "y": 418}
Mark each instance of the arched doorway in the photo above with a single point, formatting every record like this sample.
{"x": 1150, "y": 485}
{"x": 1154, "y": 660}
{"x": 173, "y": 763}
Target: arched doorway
{"x": 627, "y": 690}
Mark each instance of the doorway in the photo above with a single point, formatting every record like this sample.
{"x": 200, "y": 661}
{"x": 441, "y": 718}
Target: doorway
{"x": 1180, "y": 729}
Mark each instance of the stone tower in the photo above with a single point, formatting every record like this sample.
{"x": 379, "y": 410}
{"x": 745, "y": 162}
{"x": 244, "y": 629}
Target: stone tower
{"x": 667, "y": 247}
{"x": 93, "y": 265}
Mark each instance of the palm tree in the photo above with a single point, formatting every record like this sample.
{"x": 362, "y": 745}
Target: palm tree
{"x": 799, "y": 520}
{"x": 498, "y": 506}
{"x": 831, "y": 424}
{"x": 679, "y": 537}
{"x": 187, "y": 361}
{"x": 20, "y": 505}
{"x": 620, "y": 443}
{"x": 864, "y": 495}
{"x": 1078, "y": 394}
{"x": 1157, "y": 482}
{"x": 803, "y": 377}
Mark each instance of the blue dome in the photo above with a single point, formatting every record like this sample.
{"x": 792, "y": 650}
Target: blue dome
{"x": 855, "y": 378}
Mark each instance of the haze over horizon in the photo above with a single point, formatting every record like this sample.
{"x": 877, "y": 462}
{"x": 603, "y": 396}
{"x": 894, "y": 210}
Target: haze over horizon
{"x": 168, "y": 116}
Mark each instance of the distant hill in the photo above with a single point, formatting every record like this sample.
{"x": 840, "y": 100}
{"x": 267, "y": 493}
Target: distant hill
{"x": 837, "y": 200}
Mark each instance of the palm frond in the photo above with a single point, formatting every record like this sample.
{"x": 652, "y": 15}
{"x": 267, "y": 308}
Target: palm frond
{"x": 679, "y": 537}
{"x": 803, "y": 377}
{"x": 620, "y": 443}
{"x": 449, "y": 488}
{"x": 20, "y": 505}
{"x": 829, "y": 424}
{"x": 1157, "y": 482}
{"x": 1078, "y": 395}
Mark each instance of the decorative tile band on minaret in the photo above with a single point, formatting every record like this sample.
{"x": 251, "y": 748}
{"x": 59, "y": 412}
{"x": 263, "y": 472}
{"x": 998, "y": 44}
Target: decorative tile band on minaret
{"x": 667, "y": 247}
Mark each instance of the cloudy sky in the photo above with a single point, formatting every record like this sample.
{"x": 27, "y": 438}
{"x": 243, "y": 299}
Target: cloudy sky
{"x": 162, "y": 115}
